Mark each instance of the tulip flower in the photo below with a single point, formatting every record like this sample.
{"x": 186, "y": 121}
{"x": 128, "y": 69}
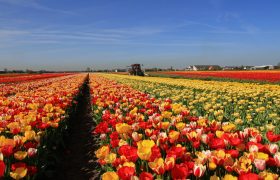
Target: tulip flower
{"x": 229, "y": 177}
{"x": 248, "y": 176}
{"x": 146, "y": 176}
{"x": 157, "y": 166}
{"x": 273, "y": 148}
{"x": 277, "y": 158}
{"x": 102, "y": 152}
{"x": 123, "y": 128}
{"x": 173, "y": 136}
{"x": 199, "y": 170}
{"x": 19, "y": 173}
{"x": 180, "y": 171}
{"x": 110, "y": 175}
{"x": 125, "y": 173}
{"x": 144, "y": 150}
{"x": 260, "y": 164}
{"x": 31, "y": 152}
{"x": 272, "y": 137}
{"x": 2, "y": 168}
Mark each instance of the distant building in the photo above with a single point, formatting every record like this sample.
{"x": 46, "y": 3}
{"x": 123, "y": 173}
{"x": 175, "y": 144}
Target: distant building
{"x": 230, "y": 67}
{"x": 264, "y": 67}
{"x": 203, "y": 68}
{"x": 237, "y": 67}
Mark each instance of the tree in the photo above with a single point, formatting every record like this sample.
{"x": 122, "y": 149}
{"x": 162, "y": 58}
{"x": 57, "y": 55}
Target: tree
{"x": 88, "y": 69}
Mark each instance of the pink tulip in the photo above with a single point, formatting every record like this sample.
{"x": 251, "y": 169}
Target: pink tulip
{"x": 253, "y": 148}
{"x": 277, "y": 159}
{"x": 273, "y": 148}
{"x": 260, "y": 164}
{"x": 205, "y": 138}
{"x": 103, "y": 136}
{"x": 31, "y": 152}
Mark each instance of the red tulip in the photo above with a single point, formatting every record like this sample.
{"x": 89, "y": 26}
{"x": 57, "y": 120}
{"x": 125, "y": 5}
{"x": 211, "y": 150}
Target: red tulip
{"x": 234, "y": 141}
{"x": 233, "y": 153}
{"x": 248, "y": 176}
{"x": 155, "y": 153}
{"x": 32, "y": 170}
{"x": 2, "y": 168}
{"x": 7, "y": 150}
{"x": 18, "y": 165}
{"x": 217, "y": 143}
{"x": 146, "y": 176}
{"x": 196, "y": 144}
{"x": 180, "y": 171}
{"x": 272, "y": 137}
{"x": 129, "y": 152}
{"x": 125, "y": 172}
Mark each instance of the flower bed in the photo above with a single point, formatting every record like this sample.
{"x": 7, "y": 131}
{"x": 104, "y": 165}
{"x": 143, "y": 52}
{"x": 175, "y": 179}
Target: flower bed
{"x": 270, "y": 76}
{"x": 28, "y": 77}
{"x": 32, "y": 123}
{"x": 148, "y": 138}
{"x": 245, "y": 104}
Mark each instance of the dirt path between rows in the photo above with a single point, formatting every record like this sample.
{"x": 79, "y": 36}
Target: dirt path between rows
{"x": 78, "y": 161}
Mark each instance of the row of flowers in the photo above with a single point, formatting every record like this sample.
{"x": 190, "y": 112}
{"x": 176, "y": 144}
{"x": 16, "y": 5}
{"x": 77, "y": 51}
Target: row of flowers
{"x": 11, "y": 78}
{"x": 12, "y": 89}
{"x": 245, "y": 104}
{"x": 31, "y": 122}
{"x": 143, "y": 137}
{"x": 270, "y": 76}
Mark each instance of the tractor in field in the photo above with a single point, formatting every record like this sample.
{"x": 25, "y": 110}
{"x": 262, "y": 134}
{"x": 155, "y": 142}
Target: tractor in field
{"x": 136, "y": 70}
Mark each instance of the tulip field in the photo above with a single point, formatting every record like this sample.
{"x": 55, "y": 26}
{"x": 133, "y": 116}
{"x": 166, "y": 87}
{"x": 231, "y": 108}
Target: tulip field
{"x": 32, "y": 116}
{"x": 259, "y": 75}
{"x": 147, "y": 127}
{"x": 164, "y": 128}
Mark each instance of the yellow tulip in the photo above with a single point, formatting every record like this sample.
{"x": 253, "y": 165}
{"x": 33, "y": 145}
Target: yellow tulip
{"x": 129, "y": 164}
{"x": 157, "y": 165}
{"x": 20, "y": 155}
{"x": 212, "y": 165}
{"x": 166, "y": 114}
{"x": 229, "y": 177}
{"x": 110, "y": 158}
{"x": 173, "y": 136}
{"x": 165, "y": 125}
{"x": 219, "y": 134}
{"x": 261, "y": 155}
{"x": 123, "y": 128}
{"x": 180, "y": 126}
{"x": 229, "y": 127}
{"x": 29, "y": 135}
{"x": 111, "y": 175}
{"x": 144, "y": 149}
{"x": 19, "y": 173}
{"x": 102, "y": 152}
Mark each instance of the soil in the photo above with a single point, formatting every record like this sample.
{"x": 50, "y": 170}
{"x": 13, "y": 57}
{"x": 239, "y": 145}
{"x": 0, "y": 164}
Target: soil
{"x": 78, "y": 160}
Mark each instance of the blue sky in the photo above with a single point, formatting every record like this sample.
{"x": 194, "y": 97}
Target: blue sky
{"x": 73, "y": 35}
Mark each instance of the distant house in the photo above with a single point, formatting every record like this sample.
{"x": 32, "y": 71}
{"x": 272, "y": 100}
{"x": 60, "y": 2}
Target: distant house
{"x": 203, "y": 67}
{"x": 264, "y": 67}
{"x": 230, "y": 67}
{"x": 237, "y": 67}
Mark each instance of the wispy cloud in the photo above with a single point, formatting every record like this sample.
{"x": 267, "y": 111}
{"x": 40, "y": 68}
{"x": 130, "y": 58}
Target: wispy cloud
{"x": 34, "y": 4}
{"x": 5, "y": 33}
{"x": 64, "y": 35}
{"x": 244, "y": 28}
